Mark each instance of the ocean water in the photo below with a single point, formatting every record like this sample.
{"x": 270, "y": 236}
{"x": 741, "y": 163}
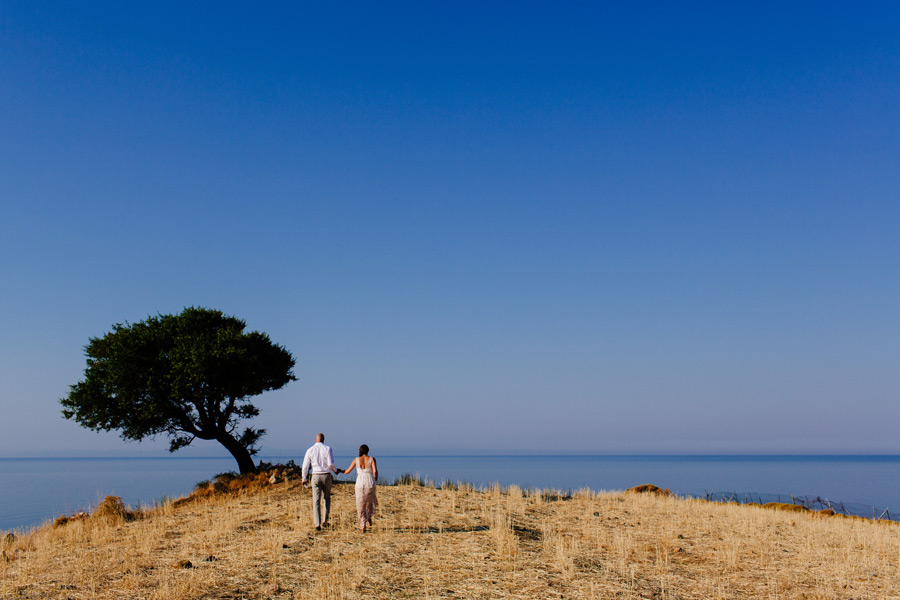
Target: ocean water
{"x": 35, "y": 490}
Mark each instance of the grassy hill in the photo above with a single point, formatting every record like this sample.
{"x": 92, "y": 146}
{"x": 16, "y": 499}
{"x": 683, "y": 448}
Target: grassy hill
{"x": 257, "y": 541}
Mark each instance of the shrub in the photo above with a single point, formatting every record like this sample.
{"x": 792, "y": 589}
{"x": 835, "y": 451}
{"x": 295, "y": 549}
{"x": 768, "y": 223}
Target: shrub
{"x": 112, "y": 507}
{"x": 64, "y": 520}
{"x": 649, "y": 488}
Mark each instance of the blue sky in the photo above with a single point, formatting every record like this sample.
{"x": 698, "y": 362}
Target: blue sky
{"x": 501, "y": 227}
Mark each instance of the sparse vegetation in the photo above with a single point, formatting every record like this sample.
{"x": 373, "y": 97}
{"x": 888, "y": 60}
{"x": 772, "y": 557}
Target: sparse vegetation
{"x": 255, "y": 540}
{"x": 410, "y": 479}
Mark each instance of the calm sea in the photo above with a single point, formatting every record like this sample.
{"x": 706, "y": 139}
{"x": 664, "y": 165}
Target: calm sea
{"x": 35, "y": 490}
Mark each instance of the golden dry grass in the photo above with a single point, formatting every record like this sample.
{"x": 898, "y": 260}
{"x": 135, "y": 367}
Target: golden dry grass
{"x": 456, "y": 543}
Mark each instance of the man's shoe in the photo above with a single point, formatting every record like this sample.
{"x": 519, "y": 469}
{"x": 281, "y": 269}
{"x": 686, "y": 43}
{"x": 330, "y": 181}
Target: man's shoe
{"x": 318, "y": 528}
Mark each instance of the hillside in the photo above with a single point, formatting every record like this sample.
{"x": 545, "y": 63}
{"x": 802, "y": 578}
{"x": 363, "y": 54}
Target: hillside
{"x": 453, "y": 543}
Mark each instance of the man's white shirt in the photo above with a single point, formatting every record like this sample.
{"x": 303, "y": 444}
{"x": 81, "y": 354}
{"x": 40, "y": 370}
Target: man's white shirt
{"x": 320, "y": 458}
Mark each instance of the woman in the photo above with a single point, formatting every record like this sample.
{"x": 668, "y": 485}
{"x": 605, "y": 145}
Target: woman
{"x": 366, "y": 477}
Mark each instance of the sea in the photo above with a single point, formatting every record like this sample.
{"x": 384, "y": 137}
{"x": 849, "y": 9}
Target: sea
{"x": 34, "y": 491}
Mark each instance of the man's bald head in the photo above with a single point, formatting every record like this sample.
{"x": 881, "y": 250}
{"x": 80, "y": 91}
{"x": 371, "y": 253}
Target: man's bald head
{"x": 320, "y": 437}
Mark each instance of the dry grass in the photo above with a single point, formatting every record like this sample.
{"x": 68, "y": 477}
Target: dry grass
{"x": 259, "y": 542}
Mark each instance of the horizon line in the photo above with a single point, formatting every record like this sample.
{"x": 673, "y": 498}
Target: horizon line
{"x": 508, "y": 454}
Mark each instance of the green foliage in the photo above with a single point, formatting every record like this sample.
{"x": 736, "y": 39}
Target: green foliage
{"x": 186, "y": 376}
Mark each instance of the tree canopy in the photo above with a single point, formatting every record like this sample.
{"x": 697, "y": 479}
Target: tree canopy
{"x": 186, "y": 376}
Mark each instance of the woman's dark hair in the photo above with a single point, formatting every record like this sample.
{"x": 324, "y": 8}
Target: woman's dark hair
{"x": 363, "y": 450}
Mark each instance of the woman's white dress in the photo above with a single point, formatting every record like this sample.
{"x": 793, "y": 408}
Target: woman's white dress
{"x": 366, "y": 501}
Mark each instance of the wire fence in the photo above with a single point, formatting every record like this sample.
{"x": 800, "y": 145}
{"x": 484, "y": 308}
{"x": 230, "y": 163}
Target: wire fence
{"x": 817, "y": 503}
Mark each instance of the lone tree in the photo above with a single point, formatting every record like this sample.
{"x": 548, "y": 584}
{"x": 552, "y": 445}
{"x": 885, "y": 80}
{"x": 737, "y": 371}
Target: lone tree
{"x": 186, "y": 376}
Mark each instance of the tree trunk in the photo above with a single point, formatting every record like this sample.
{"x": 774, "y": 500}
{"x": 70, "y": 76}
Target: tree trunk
{"x": 240, "y": 454}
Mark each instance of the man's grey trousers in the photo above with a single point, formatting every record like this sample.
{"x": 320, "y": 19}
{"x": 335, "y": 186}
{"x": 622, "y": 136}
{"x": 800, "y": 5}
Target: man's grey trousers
{"x": 321, "y": 486}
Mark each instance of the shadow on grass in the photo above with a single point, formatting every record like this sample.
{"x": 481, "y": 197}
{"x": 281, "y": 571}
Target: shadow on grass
{"x": 521, "y": 532}
{"x": 440, "y": 529}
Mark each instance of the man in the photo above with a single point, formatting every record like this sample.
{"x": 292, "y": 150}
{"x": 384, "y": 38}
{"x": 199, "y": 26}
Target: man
{"x": 320, "y": 459}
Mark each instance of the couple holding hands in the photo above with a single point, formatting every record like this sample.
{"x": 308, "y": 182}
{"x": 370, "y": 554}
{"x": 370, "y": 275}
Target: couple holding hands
{"x": 319, "y": 460}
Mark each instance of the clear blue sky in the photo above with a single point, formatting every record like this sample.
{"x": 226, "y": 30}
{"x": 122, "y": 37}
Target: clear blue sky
{"x": 483, "y": 227}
